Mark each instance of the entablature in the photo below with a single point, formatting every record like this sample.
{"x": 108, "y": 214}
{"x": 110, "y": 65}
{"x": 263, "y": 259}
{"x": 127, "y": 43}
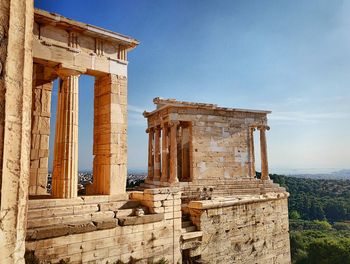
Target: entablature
{"x": 59, "y": 40}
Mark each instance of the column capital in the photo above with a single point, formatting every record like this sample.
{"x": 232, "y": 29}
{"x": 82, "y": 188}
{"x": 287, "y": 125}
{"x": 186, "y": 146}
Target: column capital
{"x": 265, "y": 127}
{"x": 63, "y": 71}
{"x": 174, "y": 123}
{"x": 149, "y": 130}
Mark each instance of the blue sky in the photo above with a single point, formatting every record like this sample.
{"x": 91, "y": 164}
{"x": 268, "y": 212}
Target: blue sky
{"x": 291, "y": 57}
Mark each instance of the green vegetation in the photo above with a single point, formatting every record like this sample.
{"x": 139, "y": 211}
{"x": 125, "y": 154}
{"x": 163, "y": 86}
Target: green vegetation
{"x": 319, "y": 212}
{"x": 317, "y": 199}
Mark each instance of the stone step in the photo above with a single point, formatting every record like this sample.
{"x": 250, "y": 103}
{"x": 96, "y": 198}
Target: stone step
{"x": 130, "y": 204}
{"x": 188, "y": 229}
{"x": 192, "y": 235}
{"x": 186, "y": 224}
{"x": 124, "y": 212}
{"x": 190, "y": 244}
{"x": 194, "y": 252}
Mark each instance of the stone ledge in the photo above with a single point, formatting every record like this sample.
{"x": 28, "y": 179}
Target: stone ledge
{"x": 69, "y": 229}
{"x": 168, "y": 190}
{"x": 192, "y": 235}
{"x": 139, "y": 220}
{"x": 40, "y": 202}
{"x": 229, "y": 201}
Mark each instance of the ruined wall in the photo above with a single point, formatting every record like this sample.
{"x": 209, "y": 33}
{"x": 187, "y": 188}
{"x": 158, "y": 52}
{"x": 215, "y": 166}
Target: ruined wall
{"x": 16, "y": 23}
{"x": 104, "y": 228}
{"x": 248, "y": 230}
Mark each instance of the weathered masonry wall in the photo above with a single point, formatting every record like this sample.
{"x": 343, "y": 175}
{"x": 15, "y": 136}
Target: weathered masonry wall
{"x": 251, "y": 229}
{"x": 41, "y": 113}
{"x": 104, "y": 228}
{"x": 220, "y": 143}
{"x": 16, "y": 24}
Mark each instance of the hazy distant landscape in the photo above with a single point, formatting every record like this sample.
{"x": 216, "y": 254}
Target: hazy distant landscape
{"x": 341, "y": 174}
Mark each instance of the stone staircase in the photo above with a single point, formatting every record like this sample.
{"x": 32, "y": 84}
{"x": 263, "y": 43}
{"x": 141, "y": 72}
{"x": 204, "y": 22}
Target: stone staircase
{"x": 191, "y": 239}
{"x": 193, "y": 191}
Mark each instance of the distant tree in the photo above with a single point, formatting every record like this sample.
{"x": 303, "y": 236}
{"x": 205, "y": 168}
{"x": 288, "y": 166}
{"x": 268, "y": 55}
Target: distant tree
{"x": 322, "y": 225}
{"x": 329, "y": 251}
{"x": 294, "y": 215}
{"x": 341, "y": 226}
{"x": 334, "y": 210}
{"x": 316, "y": 211}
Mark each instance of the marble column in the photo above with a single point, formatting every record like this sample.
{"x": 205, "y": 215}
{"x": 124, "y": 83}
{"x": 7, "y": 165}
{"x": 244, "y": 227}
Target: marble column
{"x": 65, "y": 162}
{"x": 173, "y": 152}
{"x": 263, "y": 149}
{"x": 252, "y": 172}
{"x": 157, "y": 154}
{"x": 164, "y": 176}
{"x": 150, "y": 132}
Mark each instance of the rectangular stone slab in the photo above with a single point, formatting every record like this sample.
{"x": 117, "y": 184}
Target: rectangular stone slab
{"x": 139, "y": 220}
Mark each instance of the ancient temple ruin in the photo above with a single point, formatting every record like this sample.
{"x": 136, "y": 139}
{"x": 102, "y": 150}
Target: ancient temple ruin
{"x": 197, "y": 144}
{"x": 201, "y": 201}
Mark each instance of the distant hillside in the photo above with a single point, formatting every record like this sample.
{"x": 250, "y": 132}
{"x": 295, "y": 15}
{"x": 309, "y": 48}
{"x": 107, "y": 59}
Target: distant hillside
{"x": 319, "y": 212}
{"x": 341, "y": 174}
{"x": 317, "y": 199}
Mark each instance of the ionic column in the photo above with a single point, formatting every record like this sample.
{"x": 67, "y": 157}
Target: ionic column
{"x": 252, "y": 172}
{"x": 150, "y": 132}
{"x": 173, "y": 152}
{"x": 65, "y": 163}
{"x": 164, "y": 177}
{"x": 157, "y": 154}
{"x": 263, "y": 149}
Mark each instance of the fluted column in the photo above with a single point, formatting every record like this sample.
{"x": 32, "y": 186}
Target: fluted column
{"x": 65, "y": 163}
{"x": 173, "y": 152}
{"x": 252, "y": 172}
{"x": 164, "y": 177}
{"x": 157, "y": 154}
{"x": 263, "y": 149}
{"x": 150, "y": 132}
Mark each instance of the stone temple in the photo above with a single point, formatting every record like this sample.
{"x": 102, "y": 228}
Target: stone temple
{"x": 201, "y": 201}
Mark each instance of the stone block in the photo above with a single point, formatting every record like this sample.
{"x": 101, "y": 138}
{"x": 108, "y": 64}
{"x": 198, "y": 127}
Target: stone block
{"x": 48, "y": 232}
{"x": 137, "y": 220}
{"x": 105, "y": 224}
{"x": 81, "y": 227}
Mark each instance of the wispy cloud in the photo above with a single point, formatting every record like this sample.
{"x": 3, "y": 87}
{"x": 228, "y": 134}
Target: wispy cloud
{"x": 135, "y": 116}
{"x": 135, "y": 109}
{"x": 307, "y": 117}
{"x": 290, "y": 102}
